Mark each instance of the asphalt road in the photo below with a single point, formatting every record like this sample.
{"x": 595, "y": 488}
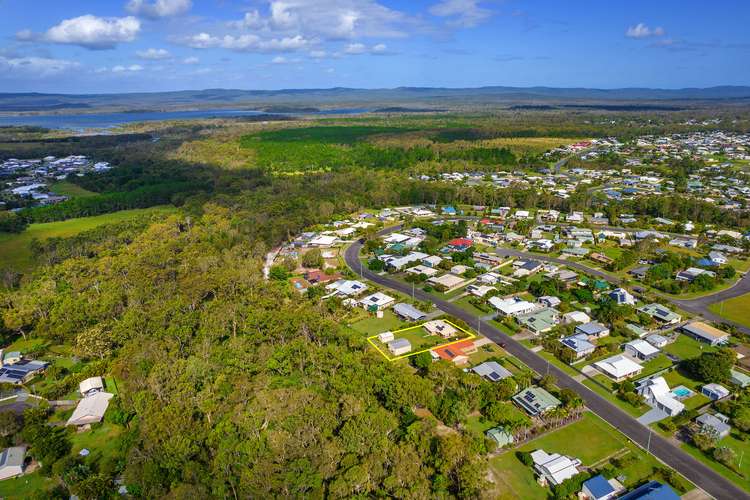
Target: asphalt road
{"x": 698, "y": 473}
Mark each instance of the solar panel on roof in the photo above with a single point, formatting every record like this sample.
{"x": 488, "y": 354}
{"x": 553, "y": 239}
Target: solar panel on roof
{"x": 493, "y": 376}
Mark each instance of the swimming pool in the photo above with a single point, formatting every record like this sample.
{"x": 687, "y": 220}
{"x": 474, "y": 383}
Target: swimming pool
{"x": 681, "y": 392}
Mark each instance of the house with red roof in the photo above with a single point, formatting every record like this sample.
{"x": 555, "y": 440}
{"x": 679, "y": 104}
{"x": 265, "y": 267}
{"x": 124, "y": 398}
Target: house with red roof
{"x": 457, "y": 353}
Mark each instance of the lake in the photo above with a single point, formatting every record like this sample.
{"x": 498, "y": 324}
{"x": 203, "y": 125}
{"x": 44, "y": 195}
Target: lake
{"x": 109, "y": 120}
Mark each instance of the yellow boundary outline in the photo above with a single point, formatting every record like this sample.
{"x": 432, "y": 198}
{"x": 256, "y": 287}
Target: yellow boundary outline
{"x": 469, "y": 334}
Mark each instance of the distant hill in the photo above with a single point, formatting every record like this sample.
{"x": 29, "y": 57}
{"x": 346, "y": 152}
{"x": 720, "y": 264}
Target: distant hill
{"x": 401, "y": 97}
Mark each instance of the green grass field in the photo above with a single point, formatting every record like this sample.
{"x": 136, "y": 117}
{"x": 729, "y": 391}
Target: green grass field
{"x": 735, "y": 309}
{"x": 24, "y": 486}
{"x": 686, "y": 348}
{"x": 328, "y": 134}
{"x": 372, "y": 325}
{"x": 15, "y": 251}
{"x": 65, "y": 188}
{"x": 101, "y": 441}
{"x": 741, "y": 450}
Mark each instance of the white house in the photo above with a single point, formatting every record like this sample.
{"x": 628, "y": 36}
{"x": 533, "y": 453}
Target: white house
{"x": 377, "y": 301}
{"x": 385, "y": 337}
{"x": 657, "y": 394}
{"x": 622, "y": 297}
{"x": 554, "y": 468}
{"x": 12, "y": 462}
{"x": 618, "y": 367}
{"x": 640, "y": 349}
{"x": 511, "y": 306}
{"x": 576, "y": 317}
{"x": 90, "y": 386}
{"x": 90, "y": 409}
{"x": 440, "y": 327}
{"x": 347, "y": 288}
{"x": 399, "y": 347}
{"x": 714, "y": 392}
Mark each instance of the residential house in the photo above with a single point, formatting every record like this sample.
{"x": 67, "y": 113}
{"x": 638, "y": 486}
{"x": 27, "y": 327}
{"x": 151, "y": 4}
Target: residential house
{"x": 714, "y": 392}
{"x": 21, "y": 371}
{"x": 457, "y": 352}
{"x": 576, "y": 251}
{"x": 579, "y": 344}
{"x": 640, "y": 349}
{"x": 622, "y": 297}
{"x": 323, "y": 241}
{"x": 536, "y": 400}
{"x": 385, "y": 337}
{"x": 421, "y": 269}
{"x": 576, "y": 317}
{"x": 90, "y": 409}
{"x": 12, "y": 462}
{"x": 704, "y": 332}
{"x": 90, "y": 386}
{"x": 653, "y": 490}
{"x": 492, "y": 371}
{"x": 408, "y": 312}
{"x": 601, "y": 258}
{"x": 378, "y": 301}
{"x": 554, "y": 468}
{"x": 660, "y": 313}
{"x": 593, "y": 329}
{"x": 399, "y": 347}
{"x": 346, "y": 288}
{"x": 488, "y": 259}
{"x": 480, "y": 290}
{"x": 549, "y": 301}
{"x": 432, "y": 261}
{"x": 489, "y": 278}
{"x": 317, "y": 276}
{"x": 739, "y": 378}
{"x": 540, "y": 320}
{"x": 657, "y": 340}
{"x": 658, "y": 395}
{"x": 600, "y": 488}
{"x": 638, "y": 330}
{"x": 501, "y": 436}
{"x": 639, "y": 272}
{"x": 526, "y": 268}
{"x": 691, "y": 273}
{"x": 10, "y": 358}
{"x": 618, "y": 367}
{"x": 717, "y": 258}
{"x": 447, "y": 282}
{"x": 397, "y": 263}
{"x": 511, "y": 306}
{"x": 566, "y": 276}
{"x": 440, "y": 327}
{"x": 459, "y": 269}
{"x": 718, "y": 424}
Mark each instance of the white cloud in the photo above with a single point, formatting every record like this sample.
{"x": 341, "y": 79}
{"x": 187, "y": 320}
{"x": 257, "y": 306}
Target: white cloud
{"x": 191, "y": 60}
{"x": 328, "y": 19}
{"x": 127, "y": 69}
{"x": 247, "y": 43}
{"x": 89, "y": 31}
{"x": 640, "y": 30}
{"x": 279, "y": 60}
{"x": 35, "y": 66}
{"x": 158, "y": 8}
{"x": 318, "y": 54}
{"x": 461, "y": 13}
{"x": 359, "y": 48}
{"x": 154, "y": 54}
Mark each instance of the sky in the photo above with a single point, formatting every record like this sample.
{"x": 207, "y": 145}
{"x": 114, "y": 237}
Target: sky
{"x": 105, "y": 46}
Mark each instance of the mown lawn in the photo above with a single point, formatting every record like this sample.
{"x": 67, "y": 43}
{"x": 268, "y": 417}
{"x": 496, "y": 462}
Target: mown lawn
{"x": 24, "y": 486}
{"x": 373, "y": 325}
{"x": 15, "y": 250}
{"x": 102, "y": 441}
{"x": 687, "y": 348}
{"x": 65, "y": 188}
{"x": 735, "y": 309}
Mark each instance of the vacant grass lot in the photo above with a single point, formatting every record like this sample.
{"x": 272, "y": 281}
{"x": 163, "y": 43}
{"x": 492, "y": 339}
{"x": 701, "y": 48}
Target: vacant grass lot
{"x": 736, "y": 309}
{"x": 372, "y": 325}
{"x": 15, "y": 250}
{"x": 65, "y": 188}
{"x": 741, "y": 449}
{"x": 686, "y": 348}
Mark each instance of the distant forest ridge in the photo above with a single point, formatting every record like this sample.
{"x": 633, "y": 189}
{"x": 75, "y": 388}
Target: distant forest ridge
{"x": 303, "y": 100}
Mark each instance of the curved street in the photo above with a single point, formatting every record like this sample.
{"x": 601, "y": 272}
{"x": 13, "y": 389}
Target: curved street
{"x": 698, "y": 473}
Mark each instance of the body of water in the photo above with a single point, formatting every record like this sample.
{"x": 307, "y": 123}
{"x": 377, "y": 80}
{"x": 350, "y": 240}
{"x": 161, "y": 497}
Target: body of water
{"x": 109, "y": 120}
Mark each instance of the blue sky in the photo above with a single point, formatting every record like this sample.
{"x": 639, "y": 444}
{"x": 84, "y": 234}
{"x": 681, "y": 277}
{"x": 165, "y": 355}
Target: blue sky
{"x": 152, "y": 45}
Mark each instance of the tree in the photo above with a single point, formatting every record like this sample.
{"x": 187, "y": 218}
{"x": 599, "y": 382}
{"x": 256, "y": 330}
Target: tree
{"x": 278, "y": 273}
{"x": 313, "y": 258}
{"x": 712, "y": 366}
{"x": 725, "y": 455}
{"x": 94, "y": 342}
{"x": 704, "y": 440}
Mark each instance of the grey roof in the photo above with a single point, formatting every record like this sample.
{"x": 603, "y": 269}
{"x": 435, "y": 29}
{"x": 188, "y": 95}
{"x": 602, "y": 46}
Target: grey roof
{"x": 17, "y": 372}
{"x": 492, "y": 371}
{"x": 408, "y": 311}
{"x": 536, "y": 400}
{"x": 398, "y": 343}
{"x": 708, "y": 420}
{"x": 592, "y": 328}
{"x": 579, "y": 343}
{"x": 13, "y": 457}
